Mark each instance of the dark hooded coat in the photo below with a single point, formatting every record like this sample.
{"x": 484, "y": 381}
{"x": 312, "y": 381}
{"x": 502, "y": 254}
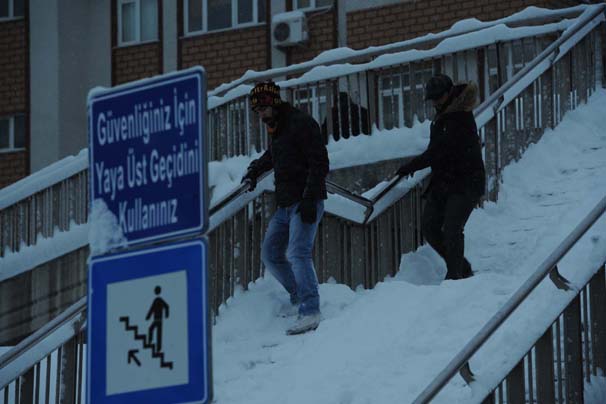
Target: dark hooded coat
{"x": 454, "y": 152}
{"x": 298, "y": 156}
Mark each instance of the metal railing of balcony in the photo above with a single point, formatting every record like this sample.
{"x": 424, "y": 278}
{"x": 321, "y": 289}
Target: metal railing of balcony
{"x": 460, "y": 363}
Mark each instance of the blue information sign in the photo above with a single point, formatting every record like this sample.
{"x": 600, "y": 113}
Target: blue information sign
{"x": 147, "y": 155}
{"x": 148, "y": 326}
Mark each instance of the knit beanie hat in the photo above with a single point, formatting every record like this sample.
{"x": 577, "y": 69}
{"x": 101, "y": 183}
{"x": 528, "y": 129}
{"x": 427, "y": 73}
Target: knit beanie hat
{"x": 265, "y": 94}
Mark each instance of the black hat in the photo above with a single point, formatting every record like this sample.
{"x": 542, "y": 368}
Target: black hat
{"x": 437, "y": 86}
{"x": 265, "y": 94}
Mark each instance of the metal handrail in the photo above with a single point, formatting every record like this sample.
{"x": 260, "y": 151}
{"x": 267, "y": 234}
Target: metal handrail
{"x": 74, "y": 316}
{"x": 331, "y": 187}
{"x": 461, "y": 360}
{"x": 495, "y": 99}
{"x": 374, "y": 51}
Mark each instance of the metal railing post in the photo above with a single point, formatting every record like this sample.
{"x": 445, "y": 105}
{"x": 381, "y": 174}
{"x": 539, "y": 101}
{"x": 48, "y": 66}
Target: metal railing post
{"x": 573, "y": 354}
{"x": 597, "y": 308}
{"x": 372, "y": 94}
{"x": 26, "y": 387}
{"x": 516, "y": 389}
{"x": 545, "y": 374}
{"x": 68, "y": 372}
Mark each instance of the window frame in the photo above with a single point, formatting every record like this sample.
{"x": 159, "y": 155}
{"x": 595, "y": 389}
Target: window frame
{"x": 314, "y": 102}
{"x": 234, "y": 18}
{"x": 137, "y": 40}
{"x": 312, "y": 6}
{"x": 11, "y": 13}
{"x": 11, "y": 136}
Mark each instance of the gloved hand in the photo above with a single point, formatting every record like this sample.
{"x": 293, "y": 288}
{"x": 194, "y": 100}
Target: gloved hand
{"x": 250, "y": 178}
{"x": 404, "y": 171}
{"x": 308, "y": 211}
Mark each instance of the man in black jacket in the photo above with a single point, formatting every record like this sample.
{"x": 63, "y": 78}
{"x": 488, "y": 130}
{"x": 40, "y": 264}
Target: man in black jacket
{"x": 458, "y": 178}
{"x": 300, "y": 161}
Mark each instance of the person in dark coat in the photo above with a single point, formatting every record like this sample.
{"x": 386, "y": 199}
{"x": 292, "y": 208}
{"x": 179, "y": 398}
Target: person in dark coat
{"x": 348, "y": 113}
{"x": 299, "y": 159}
{"x": 458, "y": 177}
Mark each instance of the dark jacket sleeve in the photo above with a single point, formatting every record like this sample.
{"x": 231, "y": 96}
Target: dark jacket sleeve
{"x": 313, "y": 147}
{"x": 437, "y": 148}
{"x": 262, "y": 164}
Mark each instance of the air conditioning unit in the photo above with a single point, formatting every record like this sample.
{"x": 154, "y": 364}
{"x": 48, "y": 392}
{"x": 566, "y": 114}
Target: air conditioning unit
{"x": 289, "y": 29}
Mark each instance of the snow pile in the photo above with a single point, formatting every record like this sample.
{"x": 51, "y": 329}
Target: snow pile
{"x": 225, "y": 175}
{"x": 382, "y": 145}
{"x": 105, "y": 232}
{"x": 422, "y": 267}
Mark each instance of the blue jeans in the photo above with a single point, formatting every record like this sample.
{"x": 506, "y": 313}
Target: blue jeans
{"x": 286, "y": 253}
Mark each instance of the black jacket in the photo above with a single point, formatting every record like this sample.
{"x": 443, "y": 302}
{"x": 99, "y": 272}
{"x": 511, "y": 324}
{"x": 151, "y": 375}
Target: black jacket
{"x": 454, "y": 152}
{"x": 348, "y": 111}
{"x": 298, "y": 156}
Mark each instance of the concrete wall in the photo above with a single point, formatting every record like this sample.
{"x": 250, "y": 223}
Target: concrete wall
{"x": 66, "y": 61}
{"x": 44, "y": 79}
{"x": 170, "y": 33}
{"x": 84, "y": 53}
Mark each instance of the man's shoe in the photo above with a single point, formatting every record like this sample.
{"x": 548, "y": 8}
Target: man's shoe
{"x": 304, "y": 324}
{"x": 288, "y": 310}
{"x": 467, "y": 271}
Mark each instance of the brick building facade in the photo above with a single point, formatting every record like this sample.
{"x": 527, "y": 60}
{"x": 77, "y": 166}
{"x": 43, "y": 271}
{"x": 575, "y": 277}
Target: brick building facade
{"x": 410, "y": 19}
{"x": 14, "y": 93}
{"x": 143, "y": 38}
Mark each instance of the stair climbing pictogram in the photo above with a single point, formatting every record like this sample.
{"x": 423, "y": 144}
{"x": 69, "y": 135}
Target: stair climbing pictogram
{"x": 157, "y": 311}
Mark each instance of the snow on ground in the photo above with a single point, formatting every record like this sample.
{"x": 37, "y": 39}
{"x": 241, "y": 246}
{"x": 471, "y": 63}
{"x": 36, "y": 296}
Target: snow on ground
{"x": 386, "y": 344}
{"x": 595, "y": 392}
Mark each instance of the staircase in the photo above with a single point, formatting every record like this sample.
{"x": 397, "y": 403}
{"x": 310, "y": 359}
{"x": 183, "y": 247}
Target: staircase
{"x": 146, "y": 344}
{"x": 560, "y": 67}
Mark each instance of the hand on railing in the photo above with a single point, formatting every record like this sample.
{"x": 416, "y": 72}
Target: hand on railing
{"x": 404, "y": 172}
{"x": 249, "y": 179}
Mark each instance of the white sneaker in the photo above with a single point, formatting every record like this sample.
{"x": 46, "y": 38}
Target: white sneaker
{"x": 304, "y": 324}
{"x": 288, "y": 310}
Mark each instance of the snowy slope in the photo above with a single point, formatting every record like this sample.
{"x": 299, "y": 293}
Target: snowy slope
{"x": 385, "y": 345}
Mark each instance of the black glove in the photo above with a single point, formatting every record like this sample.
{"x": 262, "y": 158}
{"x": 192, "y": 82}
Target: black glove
{"x": 404, "y": 171}
{"x": 308, "y": 211}
{"x": 250, "y": 178}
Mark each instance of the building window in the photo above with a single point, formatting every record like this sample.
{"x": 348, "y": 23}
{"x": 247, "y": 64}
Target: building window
{"x": 11, "y": 9}
{"x": 401, "y": 104}
{"x": 137, "y": 21}
{"x": 307, "y": 4}
{"x": 312, "y": 100}
{"x": 12, "y": 133}
{"x": 214, "y": 15}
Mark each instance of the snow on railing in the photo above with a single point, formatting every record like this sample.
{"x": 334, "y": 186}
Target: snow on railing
{"x": 346, "y": 55}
